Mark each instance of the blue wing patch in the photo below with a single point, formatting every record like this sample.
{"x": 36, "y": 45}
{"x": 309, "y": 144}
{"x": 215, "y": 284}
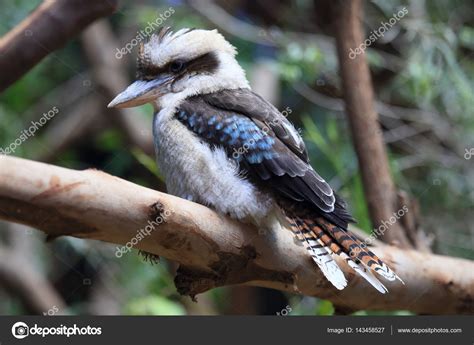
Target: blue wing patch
{"x": 238, "y": 134}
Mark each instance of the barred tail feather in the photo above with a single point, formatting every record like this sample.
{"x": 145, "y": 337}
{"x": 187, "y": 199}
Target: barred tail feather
{"x": 355, "y": 265}
{"x": 322, "y": 239}
{"x": 354, "y": 248}
{"x": 321, "y": 256}
{"x": 365, "y": 273}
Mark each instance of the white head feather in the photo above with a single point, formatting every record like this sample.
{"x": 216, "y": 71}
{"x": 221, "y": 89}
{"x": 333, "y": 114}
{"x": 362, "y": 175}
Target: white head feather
{"x": 187, "y": 44}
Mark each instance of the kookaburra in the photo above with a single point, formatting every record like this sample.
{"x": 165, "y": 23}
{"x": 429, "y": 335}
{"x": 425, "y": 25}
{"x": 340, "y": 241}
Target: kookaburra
{"x": 221, "y": 145}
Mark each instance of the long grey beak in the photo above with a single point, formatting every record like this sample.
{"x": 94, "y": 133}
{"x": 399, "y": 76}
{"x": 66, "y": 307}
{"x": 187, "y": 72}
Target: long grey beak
{"x": 140, "y": 92}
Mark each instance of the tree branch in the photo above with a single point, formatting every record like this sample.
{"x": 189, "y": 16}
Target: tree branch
{"x": 48, "y": 28}
{"x": 367, "y": 136}
{"x": 213, "y": 250}
{"x": 35, "y": 292}
{"x": 109, "y": 73}
{"x": 274, "y": 37}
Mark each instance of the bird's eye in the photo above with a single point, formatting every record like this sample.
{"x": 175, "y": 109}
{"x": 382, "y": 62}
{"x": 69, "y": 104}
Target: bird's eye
{"x": 176, "y": 66}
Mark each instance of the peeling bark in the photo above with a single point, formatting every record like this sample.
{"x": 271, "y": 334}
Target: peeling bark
{"x": 212, "y": 249}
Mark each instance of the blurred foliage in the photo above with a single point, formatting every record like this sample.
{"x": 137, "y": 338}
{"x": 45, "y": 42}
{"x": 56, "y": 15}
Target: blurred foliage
{"x": 154, "y": 305}
{"x": 435, "y": 46}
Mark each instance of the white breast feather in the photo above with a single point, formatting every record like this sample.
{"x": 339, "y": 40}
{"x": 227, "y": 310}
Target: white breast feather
{"x": 196, "y": 172}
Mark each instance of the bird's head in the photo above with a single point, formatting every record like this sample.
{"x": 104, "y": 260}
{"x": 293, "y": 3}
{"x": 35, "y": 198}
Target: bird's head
{"x": 174, "y": 65}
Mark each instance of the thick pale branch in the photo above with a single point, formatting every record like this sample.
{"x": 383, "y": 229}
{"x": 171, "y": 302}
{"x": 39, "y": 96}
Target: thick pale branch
{"x": 212, "y": 249}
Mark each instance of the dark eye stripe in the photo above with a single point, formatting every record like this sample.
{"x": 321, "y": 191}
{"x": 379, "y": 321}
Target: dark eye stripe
{"x": 148, "y": 73}
{"x": 206, "y": 63}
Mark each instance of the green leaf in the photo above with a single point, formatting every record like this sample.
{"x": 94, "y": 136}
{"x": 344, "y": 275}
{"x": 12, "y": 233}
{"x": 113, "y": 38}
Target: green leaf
{"x": 359, "y": 204}
{"x": 154, "y": 305}
{"x": 315, "y": 135}
{"x": 325, "y": 307}
{"x": 110, "y": 140}
{"x": 147, "y": 162}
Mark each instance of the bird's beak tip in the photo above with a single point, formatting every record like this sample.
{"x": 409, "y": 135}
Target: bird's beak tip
{"x": 138, "y": 93}
{"x": 112, "y": 104}
{"x": 120, "y": 101}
